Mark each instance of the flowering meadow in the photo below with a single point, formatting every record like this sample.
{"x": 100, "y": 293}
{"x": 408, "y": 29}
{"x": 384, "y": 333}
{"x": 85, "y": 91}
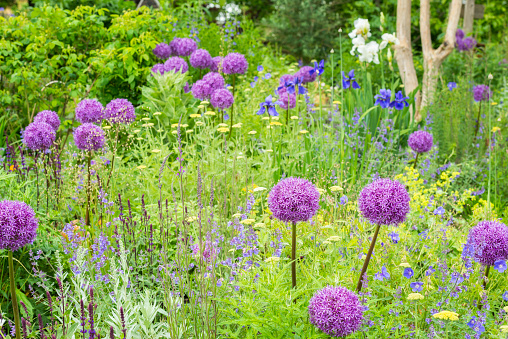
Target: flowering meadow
{"x": 164, "y": 175}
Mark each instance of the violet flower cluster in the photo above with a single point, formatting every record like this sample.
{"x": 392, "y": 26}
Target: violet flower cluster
{"x": 284, "y": 98}
{"x": 39, "y": 136}
{"x": 49, "y": 117}
{"x": 89, "y": 137}
{"x": 304, "y": 74}
{"x": 89, "y": 111}
{"x": 490, "y": 242}
{"x": 201, "y": 59}
{"x": 162, "y": 51}
{"x": 464, "y": 44}
{"x": 222, "y": 99}
{"x": 420, "y": 141}
{"x": 481, "y": 93}
{"x": 120, "y": 111}
{"x": 18, "y": 225}
{"x": 234, "y": 63}
{"x": 216, "y": 63}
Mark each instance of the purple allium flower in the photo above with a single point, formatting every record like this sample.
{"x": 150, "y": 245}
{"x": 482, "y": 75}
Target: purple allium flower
{"x": 216, "y": 61}
{"x": 286, "y": 78}
{"x": 481, "y": 93}
{"x": 408, "y": 273}
{"x": 384, "y": 202}
{"x": 420, "y": 141}
{"x": 268, "y": 105}
{"x": 186, "y": 47}
{"x": 336, "y": 311}
{"x": 304, "y": 74}
{"x": 500, "y": 266}
{"x": 294, "y": 199}
{"x": 459, "y": 34}
{"x": 173, "y": 45}
{"x": 382, "y": 275}
{"x": 162, "y": 51}
{"x": 452, "y": 85}
{"x": 234, "y": 63}
{"x": 120, "y": 111}
{"x": 490, "y": 241}
{"x": 383, "y": 98}
{"x": 349, "y": 80}
{"x": 400, "y": 101}
{"x": 18, "y": 225}
{"x": 89, "y": 110}
{"x": 417, "y": 286}
{"x": 89, "y": 137}
{"x": 49, "y": 117}
{"x": 214, "y": 80}
{"x": 176, "y": 64}
{"x": 284, "y": 98}
{"x": 466, "y": 44}
{"x": 39, "y": 136}
{"x": 200, "y": 58}
{"x": 201, "y": 90}
{"x": 159, "y": 69}
{"x": 186, "y": 88}
{"x": 222, "y": 98}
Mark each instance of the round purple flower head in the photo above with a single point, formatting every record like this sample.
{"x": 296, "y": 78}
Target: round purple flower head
{"x": 200, "y": 58}
{"x": 39, "y": 136}
{"x": 89, "y": 137}
{"x": 186, "y": 88}
{"x": 384, "y": 202}
{"x": 201, "y": 90}
{"x": 89, "y": 110}
{"x": 481, "y": 93}
{"x": 162, "y": 51}
{"x": 234, "y": 63}
{"x": 18, "y": 225}
{"x": 305, "y": 75}
{"x": 176, "y": 64}
{"x": 173, "y": 46}
{"x": 420, "y": 141}
{"x": 294, "y": 199}
{"x": 490, "y": 242}
{"x": 459, "y": 34}
{"x": 336, "y": 311}
{"x": 466, "y": 44}
{"x": 215, "y": 63}
{"x": 159, "y": 69}
{"x": 186, "y": 47}
{"x": 283, "y": 98}
{"x": 120, "y": 111}
{"x": 286, "y": 78}
{"x": 49, "y": 117}
{"x": 214, "y": 80}
{"x": 222, "y": 98}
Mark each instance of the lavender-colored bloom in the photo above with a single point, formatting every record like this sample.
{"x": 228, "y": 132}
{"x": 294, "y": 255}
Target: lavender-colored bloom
{"x": 159, "y": 69}
{"x": 384, "y": 202}
{"x": 466, "y": 44}
{"x": 200, "y": 58}
{"x": 260, "y": 68}
{"x": 417, "y": 286}
{"x": 201, "y": 90}
{"x": 439, "y": 211}
{"x": 162, "y": 51}
{"x": 49, "y": 117}
{"x": 383, "y": 98}
{"x": 459, "y": 34}
{"x": 18, "y": 225}
{"x": 490, "y": 241}
{"x": 452, "y": 85}
{"x": 284, "y": 98}
{"x": 318, "y": 68}
{"x": 349, "y": 80}
{"x": 39, "y": 136}
{"x": 120, "y": 111}
{"x": 268, "y": 76}
{"x": 394, "y": 236}
{"x": 294, "y": 199}
{"x": 284, "y": 79}
{"x": 186, "y": 88}
{"x": 505, "y": 296}
{"x": 268, "y": 105}
{"x": 476, "y": 325}
{"x": 89, "y": 137}
{"x": 235, "y": 63}
{"x": 429, "y": 271}
{"x": 481, "y": 93}
{"x": 304, "y": 74}
{"x": 420, "y": 141}
{"x": 185, "y": 47}
{"x": 382, "y": 275}
{"x": 216, "y": 62}
{"x": 408, "y": 273}
{"x": 343, "y": 200}
{"x": 214, "y": 80}
{"x": 336, "y": 311}
{"x": 500, "y": 266}
{"x": 173, "y": 45}
{"x": 222, "y": 98}
{"x": 400, "y": 101}
{"x": 176, "y": 64}
{"x": 89, "y": 110}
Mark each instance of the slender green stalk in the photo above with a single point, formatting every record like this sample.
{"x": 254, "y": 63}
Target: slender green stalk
{"x": 367, "y": 259}
{"x": 490, "y": 149}
{"x": 14, "y": 299}
{"x": 293, "y": 257}
{"x": 416, "y": 160}
{"x": 88, "y": 190}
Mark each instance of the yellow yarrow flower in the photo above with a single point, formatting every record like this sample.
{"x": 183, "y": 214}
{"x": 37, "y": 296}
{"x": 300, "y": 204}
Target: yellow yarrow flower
{"x": 335, "y": 188}
{"x": 210, "y": 113}
{"x": 195, "y": 115}
{"x": 223, "y": 129}
{"x": 294, "y": 117}
{"x": 247, "y": 221}
{"x": 320, "y": 190}
{"x": 238, "y": 125}
{"x": 272, "y": 259}
{"x": 222, "y": 125}
{"x": 334, "y": 238}
{"x": 495, "y": 129}
{"x": 303, "y": 131}
{"x": 275, "y": 123}
{"x": 504, "y": 329}
{"x": 446, "y": 315}
{"x": 414, "y": 296}
{"x": 405, "y": 264}
{"x": 252, "y": 132}
{"x": 141, "y": 167}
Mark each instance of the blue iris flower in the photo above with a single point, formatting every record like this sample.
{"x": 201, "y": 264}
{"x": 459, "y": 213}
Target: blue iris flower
{"x": 400, "y": 101}
{"x": 349, "y": 80}
{"x": 500, "y": 265}
{"x": 452, "y": 85}
{"x": 318, "y": 68}
{"x": 417, "y": 286}
{"x": 408, "y": 272}
{"x": 289, "y": 85}
{"x": 383, "y": 98}
{"x": 298, "y": 85}
{"x": 269, "y": 105}
{"x": 382, "y": 275}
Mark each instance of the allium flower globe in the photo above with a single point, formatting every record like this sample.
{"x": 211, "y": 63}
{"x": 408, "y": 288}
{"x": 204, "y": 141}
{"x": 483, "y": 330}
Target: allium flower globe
{"x": 49, "y": 117}
{"x": 214, "y": 80}
{"x": 176, "y": 64}
{"x": 293, "y": 200}
{"x": 186, "y": 47}
{"x": 18, "y": 225}
{"x": 286, "y": 78}
{"x": 201, "y": 59}
{"x": 284, "y": 98}
{"x": 89, "y": 137}
{"x": 120, "y": 111}
{"x": 234, "y": 63}
{"x": 159, "y": 69}
{"x": 481, "y": 93}
{"x": 222, "y": 99}
{"x": 39, "y": 136}
{"x": 490, "y": 242}
{"x": 420, "y": 141}
{"x": 162, "y": 51}
{"x": 216, "y": 62}
{"x": 89, "y": 110}
{"x": 384, "y": 202}
{"x": 336, "y": 311}
{"x": 173, "y": 45}
{"x": 201, "y": 90}
{"x": 304, "y": 74}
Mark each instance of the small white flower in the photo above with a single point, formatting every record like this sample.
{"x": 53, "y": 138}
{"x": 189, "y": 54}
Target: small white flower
{"x": 388, "y": 39}
{"x": 490, "y": 76}
{"x": 362, "y": 28}
{"x": 259, "y": 189}
{"x": 369, "y": 52}
{"x": 357, "y": 42}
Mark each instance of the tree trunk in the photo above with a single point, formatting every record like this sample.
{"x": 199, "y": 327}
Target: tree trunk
{"x": 468, "y": 17}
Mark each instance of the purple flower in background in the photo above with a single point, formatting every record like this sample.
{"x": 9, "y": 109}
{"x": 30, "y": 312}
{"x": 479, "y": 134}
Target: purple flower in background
{"x": 505, "y": 296}
{"x": 89, "y": 137}
{"x": 466, "y": 44}
{"x": 394, "y": 236}
{"x": 476, "y": 325}
{"x": 284, "y": 98}
{"x": 186, "y": 88}
{"x": 408, "y": 272}
{"x": 120, "y": 111}
{"x": 185, "y": 47}
{"x": 268, "y": 105}
{"x": 201, "y": 59}
{"x": 216, "y": 62}
{"x": 173, "y": 45}
{"x": 343, "y": 200}
{"x": 383, "y": 98}
{"x": 336, "y": 311}
{"x": 18, "y": 225}
{"x": 439, "y": 211}
{"x": 222, "y": 98}
{"x": 39, "y": 136}
{"x": 429, "y": 271}
{"x": 382, "y": 275}
{"x": 490, "y": 240}
{"x": 286, "y": 78}
{"x": 89, "y": 110}
{"x": 268, "y": 76}
{"x": 49, "y": 117}
{"x": 201, "y": 90}
{"x": 452, "y": 85}
{"x": 420, "y": 141}
{"x": 304, "y": 74}
{"x": 260, "y": 68}
{"x": 318, "y": 68}
{"x": 459, "y": 34}
{"x": 162, "y": 51}
{"x": 481, "y": 93}
{"x": 384, "y": 202}
{"x": 500, "y": 266}
{"x": 214, "y": 80}
{"x": 417, "y": 286}
{"x": 176, "y": 64}
{"x": 293, "y": 199}
{"x": 349, "y": 81}
{"x": 400, "y": 101}
{"x": 159, "y": 69}
{"x": 234, "y": 63}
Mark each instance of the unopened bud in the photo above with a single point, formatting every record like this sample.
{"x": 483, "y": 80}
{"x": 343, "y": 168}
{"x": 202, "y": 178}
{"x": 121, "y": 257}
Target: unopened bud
{"x": 332, "y": 51}
{"x": 490, "y": 76}
{"x": 382, "y": 18}
{"x": 340, "y": 30}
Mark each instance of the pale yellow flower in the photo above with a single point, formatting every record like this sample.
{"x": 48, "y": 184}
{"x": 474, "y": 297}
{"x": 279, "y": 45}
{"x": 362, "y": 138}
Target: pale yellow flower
{"x": 495, "y": 129}
{"x": 268, "y": 150}
{"x": 106, "y": 127}
{"x": 204, "y": 103}
{"x": 229, "y": 87}
{"x": 150, "y": 124}
{"x": 130, "y": 136}
{"x": 136, "y": 131}
{"x": 336, "y": 102}
{"x": 294, "y": 117}
{"x": 336, "y": 188}
{"x": 240, "y": 157}
{"x": 275, "y": 123}
{"x": 201, "y": 106}
{"x": 174, "y": 125}
{"x": 252, "y": 132}
{"x": 157, "y": 113}
{"x": 303, "y": 131}
{"x": 141, "y": 167}
{"x": 275, "y": 118}
{"x": 156, "y": 151}
{"x": 222, "y": 125}
{"x": 210, "y": 113}
{"x": 404, "y": 264}
{"x": 223, "y": 129}
{"x": 247, "y": 221}
{"x": 446, "y": 315}
{"x": 493, "y": 103}
{"x": 185, "y": 125}
{"x": 505, "y": 309}
{"x": 259, "y": 225}
{"x": 139, "y": 139}
{"x": 326, "y": 242}
{"x": 414, "y": 296}
{"x": 237, "y": 215}
{"x": 200, "y": 123}
{"x": 272, "y": 259}
{"x": 334, "y": 238}
{"x": 174, "y": 132}
{"x": 265, "y": 118}
{"x": 190, "y": 131}
{"x": 195, "y": 115}
{"x": 320, "y": 190}
{"x": 145, "y": 119}
{"x": 238, "y": 125}
{"x": 191, "y": 219}
{"x": 259, "y": 189}
{"x": 504, "y": 329}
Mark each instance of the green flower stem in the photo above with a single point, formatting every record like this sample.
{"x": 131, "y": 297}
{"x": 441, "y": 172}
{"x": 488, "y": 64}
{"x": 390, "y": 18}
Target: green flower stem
{"x": 14, "y": 300}
{"x": 293, "y": 257}
{"x": 416, "y": 159}
{"x": 367, "y": 259}
{"x": 88, "y": 191}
